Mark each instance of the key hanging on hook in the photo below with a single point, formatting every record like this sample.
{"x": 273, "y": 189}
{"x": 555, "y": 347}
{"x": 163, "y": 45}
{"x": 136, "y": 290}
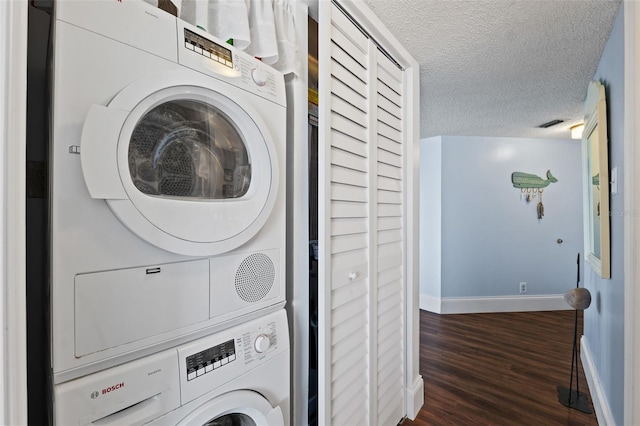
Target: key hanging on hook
{"x": 540, "y": 207}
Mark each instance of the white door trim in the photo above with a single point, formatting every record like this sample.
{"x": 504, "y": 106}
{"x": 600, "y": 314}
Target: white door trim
{"x": 632, "y": 210}
{"x": 13, "y": 118}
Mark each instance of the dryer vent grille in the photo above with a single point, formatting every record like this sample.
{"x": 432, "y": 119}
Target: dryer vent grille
{"x": 255, "y": 277}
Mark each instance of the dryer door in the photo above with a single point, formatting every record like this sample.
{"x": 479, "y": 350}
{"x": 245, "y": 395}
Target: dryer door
{"x": 181, "y": 164}
{"x": 237, "y": 408}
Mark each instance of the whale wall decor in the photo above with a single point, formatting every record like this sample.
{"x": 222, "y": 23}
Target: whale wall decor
{"x": 532, "y": 185}
{"x": 527, "y": 180}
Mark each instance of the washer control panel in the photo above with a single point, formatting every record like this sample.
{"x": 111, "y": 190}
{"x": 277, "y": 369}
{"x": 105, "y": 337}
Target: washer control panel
{"x": 210, "y": 362}
{"x": 210, "y": 359}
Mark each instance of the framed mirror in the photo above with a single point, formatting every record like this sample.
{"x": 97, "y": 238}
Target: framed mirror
{"x": 595, "y": 172}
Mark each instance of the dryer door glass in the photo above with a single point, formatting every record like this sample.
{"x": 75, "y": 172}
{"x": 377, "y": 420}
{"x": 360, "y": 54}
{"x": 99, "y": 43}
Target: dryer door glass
{"x": 186, "y": 148}
{"x": 232, "y": 419}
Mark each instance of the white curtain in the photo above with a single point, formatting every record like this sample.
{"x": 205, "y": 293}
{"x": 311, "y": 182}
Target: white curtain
{"x": 263, "y": 28}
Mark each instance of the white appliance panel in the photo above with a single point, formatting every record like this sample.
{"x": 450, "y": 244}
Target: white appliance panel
{"x": 117, "y": 307}
{"x": 130, "y": 22}
{"x": 132, "y": 394}
{"x": 227, "y": 372}
{"x": 242, "y": 281}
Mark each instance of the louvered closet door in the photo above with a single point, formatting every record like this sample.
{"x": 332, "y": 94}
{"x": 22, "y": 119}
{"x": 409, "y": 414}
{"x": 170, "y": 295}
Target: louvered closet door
{"x": 344, "y": 224}
{"x": 390, "y": 247}
{"x": 361, "y": 232}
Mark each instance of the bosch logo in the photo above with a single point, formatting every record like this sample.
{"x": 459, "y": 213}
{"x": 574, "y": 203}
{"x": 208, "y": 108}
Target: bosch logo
{"x": 95, "y": 394}
{"x": 112, "y": 388}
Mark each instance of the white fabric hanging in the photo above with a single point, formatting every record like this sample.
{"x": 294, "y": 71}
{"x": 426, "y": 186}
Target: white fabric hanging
{"x": 264, "y": 44}
{"x": 230, "y": 19}
{"x": 283, "y": 11}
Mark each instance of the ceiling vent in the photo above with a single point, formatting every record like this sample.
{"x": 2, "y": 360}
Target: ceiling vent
{"x": 550, "y": 123}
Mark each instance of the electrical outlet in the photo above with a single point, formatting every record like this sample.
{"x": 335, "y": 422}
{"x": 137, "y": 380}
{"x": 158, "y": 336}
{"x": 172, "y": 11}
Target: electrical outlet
{"x": 523, "y": 288}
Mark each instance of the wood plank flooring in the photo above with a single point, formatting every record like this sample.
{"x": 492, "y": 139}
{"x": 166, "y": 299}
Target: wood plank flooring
{"x": 497, "y": 369}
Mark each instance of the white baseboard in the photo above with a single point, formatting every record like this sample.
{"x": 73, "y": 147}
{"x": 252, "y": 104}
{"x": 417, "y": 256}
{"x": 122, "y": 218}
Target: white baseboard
{"x": 415, "y": 398}
{"x": 482, "y": 304}
{"x": 600, "y": 403}
{"x": 430, "y": 303}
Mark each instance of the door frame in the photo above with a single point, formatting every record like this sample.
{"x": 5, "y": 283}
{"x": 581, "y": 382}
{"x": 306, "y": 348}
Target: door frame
{"x": 631, "y": 11}
{"x": 13, "y": 127}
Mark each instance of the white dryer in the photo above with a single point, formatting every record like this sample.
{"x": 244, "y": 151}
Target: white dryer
{"x": 236, "y": 377}
{"x": 167, "y": 185}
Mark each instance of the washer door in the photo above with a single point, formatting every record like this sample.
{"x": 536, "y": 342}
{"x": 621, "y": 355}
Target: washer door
{"x": 237, "y": 408}
{"x": 181, "y": 164}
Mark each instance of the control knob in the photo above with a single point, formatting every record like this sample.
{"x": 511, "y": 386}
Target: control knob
{"x": 262, "y": 343}
{"x": 259, "y": 77}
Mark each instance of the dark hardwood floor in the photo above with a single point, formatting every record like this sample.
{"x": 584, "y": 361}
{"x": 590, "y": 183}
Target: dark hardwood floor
{"x": 497, "y": 369}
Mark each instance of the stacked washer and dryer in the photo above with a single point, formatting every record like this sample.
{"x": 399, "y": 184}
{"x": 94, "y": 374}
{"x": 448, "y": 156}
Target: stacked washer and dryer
{"x": 167, "y": 223}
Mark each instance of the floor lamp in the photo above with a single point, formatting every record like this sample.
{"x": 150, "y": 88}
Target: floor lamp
{"x": 579, "y": 299}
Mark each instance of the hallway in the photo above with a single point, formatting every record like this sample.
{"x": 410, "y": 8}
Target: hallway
{"x": 497, "y": 369}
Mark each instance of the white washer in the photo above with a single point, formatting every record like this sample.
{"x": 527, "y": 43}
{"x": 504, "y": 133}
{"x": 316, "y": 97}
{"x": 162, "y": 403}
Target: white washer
{"x": 167, "y": 185}
{"x": 239, "y": 376}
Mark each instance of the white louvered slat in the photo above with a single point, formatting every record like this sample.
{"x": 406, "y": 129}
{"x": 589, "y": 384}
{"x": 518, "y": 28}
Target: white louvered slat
{"x": 347, "y": 110}
{"x": 348, "y": 127}
{"x": 348, "y": 360}
{"x": 389, "y": 145}
{"x": 389, "y": 276}
{"x": 355, "y": 413}
{"x": 386, "y": 223}
{"x": 349, "y": 226}
{"x": 348, "y": 143}
{"x": 389, "y": 184}
{"x": 392, "y": 236}
{"x": 389, "y": 120}
{"x": 356, "y": 85}
{"x": 348, "y": 209}
{"x": 390, "y": 68}
{"x": 343, "y": 26}
{"x": 351, "y": 242}
{"x": 389, "y": 132}
{"x": 350, "y": 47}
{"x": 348, "y": 62}
{"x": 343, "y": 394}
{"x": 346, "y": 311}
{"x": 345, "y": 347}
{"x": 389, "y": 197}
{"x": 393, "y": 83}
{"x": 343, "y": 331}
{"x": 390, "y": 95}
{"x": 348, "y": 193}
{"x": 348, "y": 177}
{"x": 389, "y": 158}
{"x": 338, "y": 88}
{"x": 349, "y": 294}
{"x": 348, "y": 160}
{"x": 389, "y": 171}
{"x": 389, "y": 106}
{"x": 355, "y": 418}
{"x": 385, "y": 210}
{"x": 391, "y": 261}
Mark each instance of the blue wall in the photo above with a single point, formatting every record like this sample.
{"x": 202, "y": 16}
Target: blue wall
{"x": 491, "y": 238}
{"x": 603, "y": 321}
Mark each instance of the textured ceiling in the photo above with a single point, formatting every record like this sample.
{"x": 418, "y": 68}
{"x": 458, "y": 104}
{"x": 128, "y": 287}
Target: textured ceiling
{"x": 500, "y": 67}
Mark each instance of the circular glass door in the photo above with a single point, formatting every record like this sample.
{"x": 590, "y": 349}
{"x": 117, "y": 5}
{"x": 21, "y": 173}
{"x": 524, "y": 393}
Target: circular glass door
{"x": 185, "y": 149}
{"x": 236, "y": 408}
{"x": 195, "y": 173}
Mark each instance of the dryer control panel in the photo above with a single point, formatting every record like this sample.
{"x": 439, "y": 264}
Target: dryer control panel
{"x": 209, "y": 55}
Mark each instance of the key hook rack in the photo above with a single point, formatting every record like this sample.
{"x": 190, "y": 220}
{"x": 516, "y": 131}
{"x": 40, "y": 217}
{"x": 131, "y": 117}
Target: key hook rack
{"x": 532, "y": 186}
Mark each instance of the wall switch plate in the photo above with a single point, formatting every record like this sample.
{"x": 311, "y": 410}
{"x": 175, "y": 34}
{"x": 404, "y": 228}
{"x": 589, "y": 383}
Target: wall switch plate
{"x": 614, "y": 180}
{"x": 523, "y": 287}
